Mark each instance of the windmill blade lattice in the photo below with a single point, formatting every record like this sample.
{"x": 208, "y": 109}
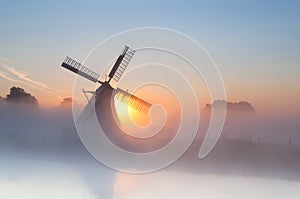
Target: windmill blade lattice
{"x": 79, "y": 69}
{"x": 121, "y": 64}
{"x": 131, "y": 100}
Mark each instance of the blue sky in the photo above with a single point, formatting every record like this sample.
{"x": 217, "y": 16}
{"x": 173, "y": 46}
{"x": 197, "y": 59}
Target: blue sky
{"x": 253, "y": 42}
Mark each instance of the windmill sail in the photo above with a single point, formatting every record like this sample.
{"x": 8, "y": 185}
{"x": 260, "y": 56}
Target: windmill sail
{"x": 79, "y": 69}
{"x": 121, "y": 64}
{"x": 115, "y": 73}
{"x": 132, "y": 101}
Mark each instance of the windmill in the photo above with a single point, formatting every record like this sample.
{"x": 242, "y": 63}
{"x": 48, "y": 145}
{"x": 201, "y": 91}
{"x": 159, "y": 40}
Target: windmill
{"x": 105, "y": 111}
{"x": 115, "y": 74}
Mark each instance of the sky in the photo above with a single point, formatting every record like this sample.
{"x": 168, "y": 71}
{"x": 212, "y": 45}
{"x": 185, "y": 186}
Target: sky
{"x": 256, "y": 44}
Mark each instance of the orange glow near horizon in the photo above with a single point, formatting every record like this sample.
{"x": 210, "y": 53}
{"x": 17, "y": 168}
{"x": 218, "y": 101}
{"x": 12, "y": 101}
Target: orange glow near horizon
{"x": 165, "y": 111}
{"x": 128, "y": 114}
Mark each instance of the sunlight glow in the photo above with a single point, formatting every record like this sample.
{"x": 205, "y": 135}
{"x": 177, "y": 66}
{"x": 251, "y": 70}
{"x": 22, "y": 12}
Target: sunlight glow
{"x": 127, "y": 114}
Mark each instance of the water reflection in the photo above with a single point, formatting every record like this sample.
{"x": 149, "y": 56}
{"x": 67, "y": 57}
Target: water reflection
{"x": 179, "y": 185}
{"x": 28, "y": 178}
{"x": 31, "y": 177}
{"x": 25, "y": 176}
{"x": 75, "y": 174}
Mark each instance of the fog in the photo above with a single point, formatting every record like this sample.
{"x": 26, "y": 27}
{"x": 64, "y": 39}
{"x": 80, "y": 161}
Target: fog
{"x": 42, "y": 156}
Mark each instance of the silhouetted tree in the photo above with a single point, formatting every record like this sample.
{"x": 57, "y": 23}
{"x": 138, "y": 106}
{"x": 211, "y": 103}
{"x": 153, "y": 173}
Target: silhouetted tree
{"x": 242, "y": 106}
{"x": 2, "y": 101}
{"x": 18, "y": 95}
{"x": 66, "y": 103}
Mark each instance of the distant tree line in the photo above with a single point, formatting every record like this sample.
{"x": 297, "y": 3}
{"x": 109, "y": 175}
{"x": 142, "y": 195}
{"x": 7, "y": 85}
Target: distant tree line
{"x": 242, "y": 106}
{"x": 18, "y": 95}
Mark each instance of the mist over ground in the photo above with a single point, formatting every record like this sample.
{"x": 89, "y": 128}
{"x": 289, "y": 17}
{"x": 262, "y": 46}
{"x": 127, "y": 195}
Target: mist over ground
{"x": 44, "y": 143}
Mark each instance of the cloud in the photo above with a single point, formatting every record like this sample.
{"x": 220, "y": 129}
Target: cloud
{"x": 5, "y": 76}
{"x": 23, "y": 78}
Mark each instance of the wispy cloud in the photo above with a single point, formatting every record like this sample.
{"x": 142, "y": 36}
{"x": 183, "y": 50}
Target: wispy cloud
{"x": 22, "y": 77}
{"x": 5, "y": 76}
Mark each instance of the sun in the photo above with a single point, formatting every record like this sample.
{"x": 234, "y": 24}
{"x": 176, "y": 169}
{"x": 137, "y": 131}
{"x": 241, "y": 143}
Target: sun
{"x": 127, "y": 114}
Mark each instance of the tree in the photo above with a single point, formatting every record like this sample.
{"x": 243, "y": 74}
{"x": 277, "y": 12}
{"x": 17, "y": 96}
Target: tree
{"x": 18, "y": 95}
{"x": 241, "y": 106}
{"x": 2, "y": 101}
{"x": 66, "y": 103}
